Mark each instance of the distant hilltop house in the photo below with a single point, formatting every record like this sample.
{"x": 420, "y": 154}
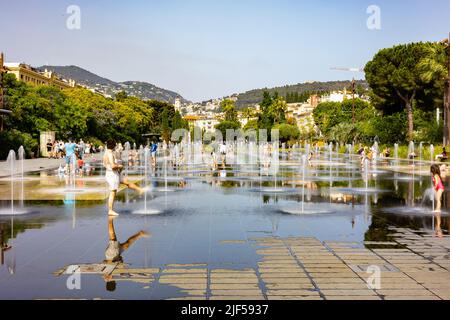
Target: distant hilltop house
{"x": 178, "y": 105}
{"x": 302, "y": 113}
{"x": 26, "y": 73}
{"x": 206, "y": 123}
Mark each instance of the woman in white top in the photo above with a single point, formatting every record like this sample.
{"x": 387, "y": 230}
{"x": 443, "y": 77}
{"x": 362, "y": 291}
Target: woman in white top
{"x": 114, "y": 177}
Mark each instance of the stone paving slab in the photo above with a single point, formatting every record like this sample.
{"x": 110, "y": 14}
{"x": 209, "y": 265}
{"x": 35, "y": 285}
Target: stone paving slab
{"x": 342, "y": 292}
{"x": 188, "y": 298}
{"x": 280, "y": 270}
{"x": 186, "y": 265}
{"x": 290, "y": 286}
{"x": 294, "y": 297}
{"x": 352, "y": 298}
{"x": 182, "y": 281}
{"x": 239, "y": 298}
{"x": 287, "y": 292}
{"x": 184, "y": 275}
{"x": 285, "y": 276}
{"x": 243, "y": 275}
{"x": 234, "y": 281}
{"x": 320, "y": 281}
{"x": 184, "y": 271}
{"x": 409, "y": 298}
{"x": 240, "y": 292}
{"x": 342, "y": 286}
{"x": 404, "y": 292}
{"x": 234, "y": 286}
{"x": 334, "y": 275}
{"x": 230, "y": 271}
{"x": 31, "y": 165}
{"x": 307, "y": 269}
{"x": 443, "y": 294}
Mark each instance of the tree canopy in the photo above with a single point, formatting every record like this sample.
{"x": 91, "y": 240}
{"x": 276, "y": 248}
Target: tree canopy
{"x": 407, "y": 76}
{"x": 79, "y": 113}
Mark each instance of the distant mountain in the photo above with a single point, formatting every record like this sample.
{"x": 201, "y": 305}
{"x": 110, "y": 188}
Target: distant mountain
{"x": 142, "y": 90}
{"x": 255, "y": 96}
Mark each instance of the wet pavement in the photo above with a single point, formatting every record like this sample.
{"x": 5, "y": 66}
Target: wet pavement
{"x": 239, "y": 233}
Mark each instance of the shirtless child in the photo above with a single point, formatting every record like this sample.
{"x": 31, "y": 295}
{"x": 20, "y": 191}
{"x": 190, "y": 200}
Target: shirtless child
{"x": 114, "y": 176}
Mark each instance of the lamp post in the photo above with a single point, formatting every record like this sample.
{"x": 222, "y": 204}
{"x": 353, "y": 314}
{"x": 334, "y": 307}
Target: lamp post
{"x": 447, "y": 100}
{"x": 353, "y": 87}
{"x": 353, "y": 101}
{"x": 2, "y": 70}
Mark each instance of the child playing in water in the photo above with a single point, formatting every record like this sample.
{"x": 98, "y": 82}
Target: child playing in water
{"x": 438, "y": 185}
{"x": 114, "y": 176}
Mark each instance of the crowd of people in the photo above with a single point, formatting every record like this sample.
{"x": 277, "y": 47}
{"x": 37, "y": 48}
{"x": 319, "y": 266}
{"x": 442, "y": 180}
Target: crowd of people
{"x": 73, "y": 153}
{"x": 57, "y": 149}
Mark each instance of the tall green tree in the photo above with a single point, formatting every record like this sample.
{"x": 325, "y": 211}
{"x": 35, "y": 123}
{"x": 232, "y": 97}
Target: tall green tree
{"x": 165, "y": 125}
{"x": 229, "y": 108}
{"x": 178, "y": 122}
{"x": 397, "y": 77}
{"x": 227, "y": 125}
{"x": 278, "y": 110}
{"x": 266, "y": 102}
{"x": 248, "y": 113}
{"x": 287, "y": 132}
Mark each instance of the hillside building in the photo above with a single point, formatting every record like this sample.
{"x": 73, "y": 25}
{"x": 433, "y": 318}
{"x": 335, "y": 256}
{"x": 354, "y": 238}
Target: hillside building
{"x": 28, "y": 74}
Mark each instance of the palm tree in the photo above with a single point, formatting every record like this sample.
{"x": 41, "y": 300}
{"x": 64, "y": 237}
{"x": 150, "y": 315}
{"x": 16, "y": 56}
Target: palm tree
{"x": 229, "y": 108}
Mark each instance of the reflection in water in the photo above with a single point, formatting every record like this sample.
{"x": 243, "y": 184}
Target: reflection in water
{"x": 113, "y": 268}
{"x": 217, "y": 205}
{"x": 7, "y": 254}
{"x": 4, "y": 247}
{"x": 115, "y": 249}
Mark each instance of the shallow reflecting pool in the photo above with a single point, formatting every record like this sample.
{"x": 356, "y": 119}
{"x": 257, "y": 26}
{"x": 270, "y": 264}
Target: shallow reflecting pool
{"x": 195, "y": 224}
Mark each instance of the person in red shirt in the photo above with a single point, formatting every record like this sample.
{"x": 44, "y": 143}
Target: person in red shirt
{"x": 438, "y": 186}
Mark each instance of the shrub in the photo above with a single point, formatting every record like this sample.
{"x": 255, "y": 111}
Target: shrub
{"x": 13, "y": 139}
{"x": 287, "y": 132}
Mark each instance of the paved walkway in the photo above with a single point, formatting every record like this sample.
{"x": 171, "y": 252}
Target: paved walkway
{"x": 33, "y": 165}
{"x": 413, "y": 266}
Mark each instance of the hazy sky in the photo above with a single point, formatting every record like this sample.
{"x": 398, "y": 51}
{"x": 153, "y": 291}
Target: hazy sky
{"x": 204, "y": 49}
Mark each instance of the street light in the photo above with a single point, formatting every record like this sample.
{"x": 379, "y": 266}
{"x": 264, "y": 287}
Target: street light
{"x": 353, "y": 87}
{"x": 2, "y": 111}
{"x": 447, "y": 98}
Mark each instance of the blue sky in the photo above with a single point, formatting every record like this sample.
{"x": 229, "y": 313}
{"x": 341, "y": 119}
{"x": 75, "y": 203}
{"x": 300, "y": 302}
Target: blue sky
{"x": 205, "y": 49}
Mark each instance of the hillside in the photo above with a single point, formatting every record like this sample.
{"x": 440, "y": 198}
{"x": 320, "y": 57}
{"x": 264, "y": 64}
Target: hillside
{"x": 142, "y": 90}
{"x": 255, "y": 96}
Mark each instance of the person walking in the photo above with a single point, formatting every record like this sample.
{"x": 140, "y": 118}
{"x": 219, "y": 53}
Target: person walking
{"x": 81, "y": 149}
{"x": 154, "y": 151}
{"x": 69, "y": 148}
